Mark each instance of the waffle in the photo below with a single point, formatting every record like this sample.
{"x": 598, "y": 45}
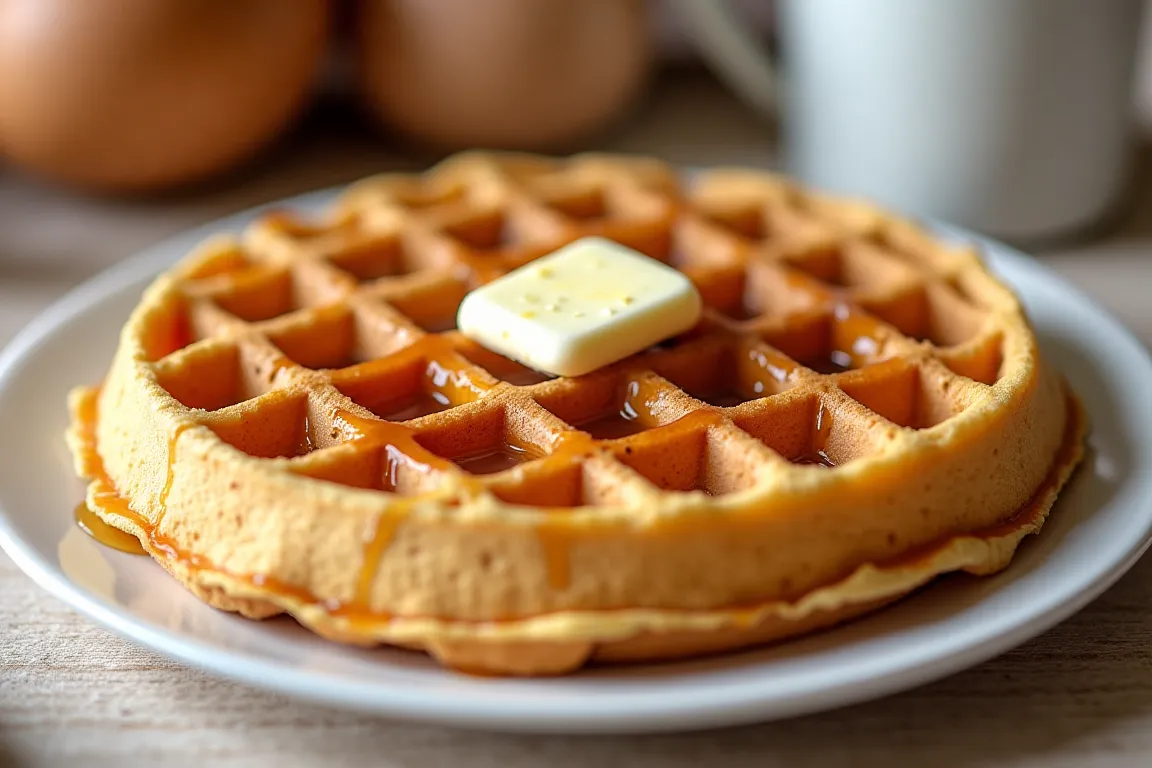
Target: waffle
{"x": 292, "y": 425}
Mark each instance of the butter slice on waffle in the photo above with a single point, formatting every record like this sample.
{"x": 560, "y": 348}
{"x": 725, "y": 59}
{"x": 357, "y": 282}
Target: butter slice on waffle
{"x": 292, "y": 424}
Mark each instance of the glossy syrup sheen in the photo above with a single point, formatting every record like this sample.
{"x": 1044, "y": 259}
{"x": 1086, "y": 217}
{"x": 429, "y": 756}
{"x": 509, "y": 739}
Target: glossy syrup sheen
{"x": 758, "y": 371}
{"x": 611, "y": 426}
{"x": 171, "y": 476}
{"x": 495, "y": 459}
{"x": 445, "y": 381}
{"x": 103, "y": 495}
{"x": 634, "y": 414}
{"x": 764, "y": 368}
{"x": 107, "y": 500}
{"x": 856, "y": 338}
{"x": 814, "y": 458}
{"x": 642, "y": 401}
{"x": 556, "y": 536}
{"x": 836, "y": 362}
{"x": 420, "y": 404}
{"x": 91, "y": 524}
{"x": 401, "y": 450}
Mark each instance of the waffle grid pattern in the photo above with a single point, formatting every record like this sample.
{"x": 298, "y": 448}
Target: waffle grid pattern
{"x": 831, "y": 332}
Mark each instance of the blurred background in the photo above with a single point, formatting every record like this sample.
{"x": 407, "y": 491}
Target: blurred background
{"x": 124, "y": 121}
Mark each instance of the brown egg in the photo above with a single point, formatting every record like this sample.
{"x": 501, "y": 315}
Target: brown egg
{"x": 128, "y": 95}
{"x": 529, "y": 74}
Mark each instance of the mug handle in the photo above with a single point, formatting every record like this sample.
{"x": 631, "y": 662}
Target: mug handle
{"x": 732, "y": 52}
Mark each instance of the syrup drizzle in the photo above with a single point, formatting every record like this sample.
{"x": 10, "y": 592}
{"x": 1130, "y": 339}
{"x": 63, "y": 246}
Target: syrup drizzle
{"x": 445, "y": 381}
{"x": 495, "y": 459}
{"x": 642, "y": 399}
{"x": 556, "y": 536}
{"x": 304, "y": 444}
{"x": 419, "y": 404}
{"x": 556, "y": 545}
{"x": 381, "y": 534}
{"x": 765, "y": 368}
{"x": 612, "y": 425}
{"x": 106, "y": 499}
{"x": 815, "y": 459}
{"x": 91, "y": 524}
{"x": 823, "y": 429}
{"x": 103, "y": 494}
{"x": 400, "y": 449}
{"x": 445, "y": 377}
{"x": 171, "y": 476}
{"x": 856, "y": 338}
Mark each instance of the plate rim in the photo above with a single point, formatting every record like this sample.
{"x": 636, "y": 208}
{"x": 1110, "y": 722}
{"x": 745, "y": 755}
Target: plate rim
{"x": 659, "y": 712}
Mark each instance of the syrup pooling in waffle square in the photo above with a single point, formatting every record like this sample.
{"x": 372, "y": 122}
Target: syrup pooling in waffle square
{"x": 782, "y": 315}
{"x": 365, "y": 304}
{"x": 705, "y": 485}
{"x": 787, "y": 283}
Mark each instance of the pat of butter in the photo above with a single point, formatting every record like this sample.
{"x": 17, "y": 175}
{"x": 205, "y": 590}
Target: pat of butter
{"x": 589, "y": 304}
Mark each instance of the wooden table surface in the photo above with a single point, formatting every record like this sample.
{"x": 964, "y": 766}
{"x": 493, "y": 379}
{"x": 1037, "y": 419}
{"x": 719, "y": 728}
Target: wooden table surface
{"x": 73, "y": 694}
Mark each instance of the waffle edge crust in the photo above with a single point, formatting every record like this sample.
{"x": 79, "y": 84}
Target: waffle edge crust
{"x": 290, "y": 424}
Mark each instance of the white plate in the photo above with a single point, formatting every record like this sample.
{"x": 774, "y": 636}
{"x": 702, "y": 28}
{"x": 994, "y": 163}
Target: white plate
{"x": 1099, "y": 528}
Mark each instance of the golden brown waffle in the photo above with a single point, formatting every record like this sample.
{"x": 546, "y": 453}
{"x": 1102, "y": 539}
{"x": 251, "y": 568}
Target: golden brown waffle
{"x": 291, "y": 425}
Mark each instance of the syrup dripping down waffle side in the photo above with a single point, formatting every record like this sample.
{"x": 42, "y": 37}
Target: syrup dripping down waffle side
{"x": 292, "y": 423}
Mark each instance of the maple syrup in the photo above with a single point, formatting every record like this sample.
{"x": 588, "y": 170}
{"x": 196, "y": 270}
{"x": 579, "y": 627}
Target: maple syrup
{"x": 816, "y": 455}
{"x": 641, "y": 398}
{"x": 103, "y": 493}
{"x": 612, "y": 426}
{"x": 400, "y": 449}
{"x": 495, "y": 459}
{"x": 100, "y": 531}
{"x": 823, "y": 427}
{"x": 836, "y": 362}
{"x": 396, "y": 438}
{"x": 380, "y": 536}
{"x": 304, "y": 444}
{"x": 766, "y": 369}
{"x": 444, "y": 381}
{"x": 814, "y": 458}
{"x": 556, "y": 535}
{"x": 171, "y": 476}
{"x": 556, "y": 544}
{"x": 419, "y": 404}
{"x": 454, "y": 383}
{"x": 856, "y": 338}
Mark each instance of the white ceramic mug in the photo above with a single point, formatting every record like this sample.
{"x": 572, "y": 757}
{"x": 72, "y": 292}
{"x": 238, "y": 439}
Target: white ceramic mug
{"x": 1013, "y": 117}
